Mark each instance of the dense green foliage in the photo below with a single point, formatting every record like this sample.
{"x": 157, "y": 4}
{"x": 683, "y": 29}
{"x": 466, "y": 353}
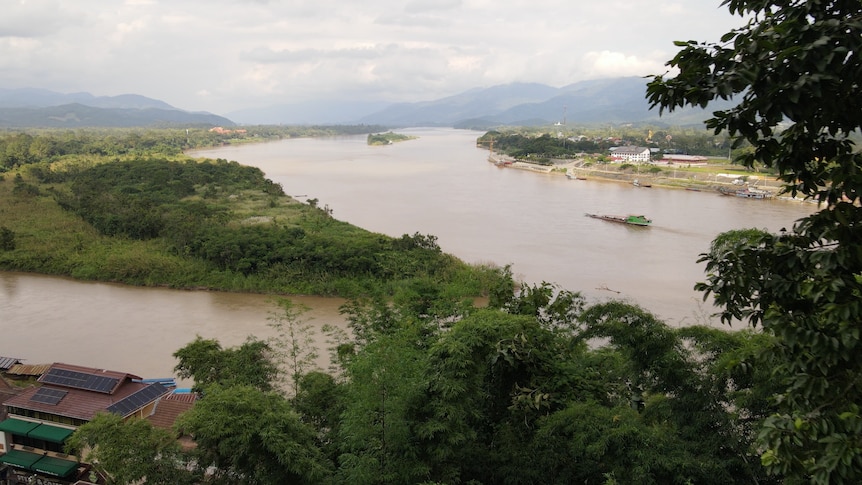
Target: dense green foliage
{"x": 794, "y": 70}
{"x": 543, "y": 146}
{"x": 207, "y": 363}
{"x": 535, "y": 388}
{"x": 245, "y": 435}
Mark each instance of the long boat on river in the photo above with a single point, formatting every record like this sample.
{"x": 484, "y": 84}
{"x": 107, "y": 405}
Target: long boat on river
{"x": 747, "y": 193}
{"x": 634, "y": 220}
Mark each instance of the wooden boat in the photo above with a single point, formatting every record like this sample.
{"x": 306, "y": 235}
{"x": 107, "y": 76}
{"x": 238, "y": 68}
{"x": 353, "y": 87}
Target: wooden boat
{"x": 634, "y": 220}
{"x": 750, "y": 193}
{"x": 638, "y": 183}
{"x": 746, "y": 193}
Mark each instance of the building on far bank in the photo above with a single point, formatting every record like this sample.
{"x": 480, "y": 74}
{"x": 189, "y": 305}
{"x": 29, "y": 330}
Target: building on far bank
{"x": 41, "y": 418}
{"x": 630, "y": 154}
{"x": 676, "y": 159}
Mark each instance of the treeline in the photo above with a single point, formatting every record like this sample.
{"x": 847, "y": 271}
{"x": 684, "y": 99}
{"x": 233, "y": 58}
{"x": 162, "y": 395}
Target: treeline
{"x": 541, "y": 145}
{"x": 535, "y": 388}
{"x": 20, "y": 148}
{"x": 562, "y": 142}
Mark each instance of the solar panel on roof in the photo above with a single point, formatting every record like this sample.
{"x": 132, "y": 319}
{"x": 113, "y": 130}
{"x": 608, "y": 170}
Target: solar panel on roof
{"x": 135, "y": 401}
{"x": 48, "y": 396}
{"x": 80, "y": 380}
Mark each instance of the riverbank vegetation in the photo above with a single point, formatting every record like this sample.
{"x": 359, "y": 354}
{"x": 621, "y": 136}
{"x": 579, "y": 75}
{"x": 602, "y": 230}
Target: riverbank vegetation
{"x": 146, "y": 214}
{"x": 18, "y": 148}
{"x": 568, "y": 142}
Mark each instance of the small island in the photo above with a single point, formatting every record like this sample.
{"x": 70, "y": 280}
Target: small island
{"x": 387, "y": 138}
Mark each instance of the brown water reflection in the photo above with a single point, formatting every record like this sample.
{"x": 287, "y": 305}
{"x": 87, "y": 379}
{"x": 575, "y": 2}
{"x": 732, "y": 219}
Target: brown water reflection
{"x": 47, "y": 319}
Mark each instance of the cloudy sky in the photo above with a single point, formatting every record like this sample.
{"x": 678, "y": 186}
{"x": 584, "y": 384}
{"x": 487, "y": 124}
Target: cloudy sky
{"x": 225, "y": 55}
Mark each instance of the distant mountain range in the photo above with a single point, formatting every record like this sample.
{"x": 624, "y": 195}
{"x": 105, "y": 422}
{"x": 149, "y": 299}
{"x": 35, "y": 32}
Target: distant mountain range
{"x": 615, "y": 101}
{"x": 39, "y": 108}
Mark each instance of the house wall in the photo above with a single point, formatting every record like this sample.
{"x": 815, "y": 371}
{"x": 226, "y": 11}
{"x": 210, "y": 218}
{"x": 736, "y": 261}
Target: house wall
{"x": 643, "y": 156}
{"x": 144, "y": 411}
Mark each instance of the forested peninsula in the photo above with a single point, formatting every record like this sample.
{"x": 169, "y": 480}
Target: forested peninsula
{"x": 129, "y": 206}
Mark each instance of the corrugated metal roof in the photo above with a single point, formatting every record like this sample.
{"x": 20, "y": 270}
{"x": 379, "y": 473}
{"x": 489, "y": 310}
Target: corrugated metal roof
{"x": 28, "y": 369}
{"x": 169, "y": 408}
{"x": 182, "y": 396}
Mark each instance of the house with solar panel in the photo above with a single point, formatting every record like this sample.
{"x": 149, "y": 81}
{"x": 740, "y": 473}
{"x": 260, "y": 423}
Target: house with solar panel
{"x": 41, "y": 418}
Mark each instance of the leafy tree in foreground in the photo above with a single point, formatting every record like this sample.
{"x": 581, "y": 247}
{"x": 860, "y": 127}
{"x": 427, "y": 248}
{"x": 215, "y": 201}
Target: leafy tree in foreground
{"x": 245, "y": 435}
{"x": 293, "y": 346}
{"x": 320, "y": 400}
{"x": 205, "y": 361}
{"x": 795, "y": 70}
{"x": 130, "y": 452}
{"x": 689, "y": 385}
{"x": 376, "y": 432}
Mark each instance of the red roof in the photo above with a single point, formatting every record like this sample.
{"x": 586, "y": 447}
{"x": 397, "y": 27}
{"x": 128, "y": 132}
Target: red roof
{"x": 169, "y": 408}
{"x": 76, "y": 402}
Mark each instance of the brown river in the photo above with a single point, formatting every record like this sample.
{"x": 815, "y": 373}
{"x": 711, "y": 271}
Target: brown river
{"x": 438, "y": 184}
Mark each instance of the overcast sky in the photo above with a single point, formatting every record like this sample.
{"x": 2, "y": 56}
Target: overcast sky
{"x": 224, "y": 55}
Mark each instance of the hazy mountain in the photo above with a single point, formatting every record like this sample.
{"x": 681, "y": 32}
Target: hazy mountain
{"x": 42, "y": 98}
{"x": 475, "y": 103}
{"x": 29, "y": 107}
{"x": 617, "y": 100}
{"x": 78, "y": 115}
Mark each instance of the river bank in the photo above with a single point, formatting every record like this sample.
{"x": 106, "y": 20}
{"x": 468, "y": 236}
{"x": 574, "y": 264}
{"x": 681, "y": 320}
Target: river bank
{"x": 711, "y": 178}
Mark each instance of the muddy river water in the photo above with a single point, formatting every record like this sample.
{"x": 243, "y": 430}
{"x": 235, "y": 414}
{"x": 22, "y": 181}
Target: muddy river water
{"x": 439, "y": 184}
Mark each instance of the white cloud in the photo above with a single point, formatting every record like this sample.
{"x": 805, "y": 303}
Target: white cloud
{"x": 604, "y": 64}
